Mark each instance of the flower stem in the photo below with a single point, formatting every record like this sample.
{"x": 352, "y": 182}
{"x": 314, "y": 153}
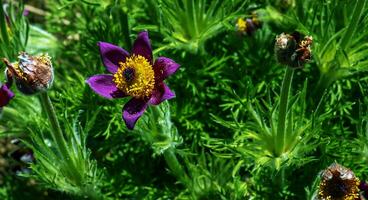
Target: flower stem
{"x": 58, "y": 138}
{"x": 174, "y": 165}
{"x": 169, "y": 153}
{"x": 280, "y": 179}
{"x": 284, "y": 98}
{"x": 57, "y": 133}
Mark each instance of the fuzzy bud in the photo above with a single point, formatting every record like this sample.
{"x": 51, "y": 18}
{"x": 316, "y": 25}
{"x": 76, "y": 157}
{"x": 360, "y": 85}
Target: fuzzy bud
{"x": 31, "y": 74}
{"x": 293, "y": 51}
{"x": 338, "y": 183}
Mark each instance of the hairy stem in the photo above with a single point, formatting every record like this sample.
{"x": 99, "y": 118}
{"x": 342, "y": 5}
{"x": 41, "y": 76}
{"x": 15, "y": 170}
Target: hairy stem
{"x": 284, "y": 98}
{"x": 57, "y": 133}
{"x": 169, "y": 153}
{"x": 59, "y": 140}
{"x": 174, "y": 165}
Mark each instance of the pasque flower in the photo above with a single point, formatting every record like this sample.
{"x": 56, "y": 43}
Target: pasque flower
{"x": 136, "y": 75}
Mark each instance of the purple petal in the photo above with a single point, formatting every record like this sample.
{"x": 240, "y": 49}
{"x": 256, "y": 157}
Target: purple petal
{"x": 142, "y": 46}
{"x": 132, "y": 111}
{"x": 164, "y": 67}
{"x": 111, "y": 56}
{"x": 103, "y": 85}
{"x": 5, "y": 95}
{"x": 160, "y": 94}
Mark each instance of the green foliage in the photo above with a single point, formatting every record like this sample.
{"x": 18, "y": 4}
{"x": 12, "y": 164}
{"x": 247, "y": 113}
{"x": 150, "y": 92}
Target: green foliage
{"x": 188, "y": 24}
{"x": 14, "y": 29}
{"x": 338, "y": 29}
{"x": 214, "y": 178}
{"x": 157, "y": 129}
{"x": 234, "y": 130}
{"x": 75, "y": 173}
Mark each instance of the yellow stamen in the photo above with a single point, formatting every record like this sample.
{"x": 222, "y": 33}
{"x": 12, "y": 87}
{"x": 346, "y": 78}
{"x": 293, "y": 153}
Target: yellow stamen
{"x": 142, "y": 82}
{"x": 44, "y": 59}
{"x": 19, "y": 72}
{"x": 241, "y": 25}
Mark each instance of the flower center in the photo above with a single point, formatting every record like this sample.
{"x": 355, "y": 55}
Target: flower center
{"x": 128, "y": 74}
{"x": 135, "y": 77}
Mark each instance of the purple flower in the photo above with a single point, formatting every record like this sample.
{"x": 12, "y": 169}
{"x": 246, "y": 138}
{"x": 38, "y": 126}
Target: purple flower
{"x": 5, "y": 95}
{"x": 135, "y": 75}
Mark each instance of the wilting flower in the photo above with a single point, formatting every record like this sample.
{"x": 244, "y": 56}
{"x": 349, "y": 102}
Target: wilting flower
{"x": 31, "y": 74}
{"x": 249, "y": 25}
{"x": 135, "y": 75}
{"x": 293, "y": 51}
{"x": 338, "y": 183}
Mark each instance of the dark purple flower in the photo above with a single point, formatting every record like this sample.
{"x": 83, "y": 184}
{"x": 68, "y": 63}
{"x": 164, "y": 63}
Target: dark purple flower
{"x": 5, "y": 95}
{"x": 136, "y": 75}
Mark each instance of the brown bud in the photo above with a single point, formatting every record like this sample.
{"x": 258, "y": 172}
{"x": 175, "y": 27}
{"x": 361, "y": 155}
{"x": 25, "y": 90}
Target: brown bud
{"x": 32, "y": 74}
{"x": 338, "y": 183}
{"x": 293, "y": 51}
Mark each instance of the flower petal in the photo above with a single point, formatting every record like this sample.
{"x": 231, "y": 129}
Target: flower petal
{"x": 111, "y": 56}
{"x": 103, "y": 85}
{"x": 142, "y": 46}
{"x": 132, "y": 111}
{"x": 5, "y": 95}
{"x": 160, "y": 94}
{"x": 164, "y": 67}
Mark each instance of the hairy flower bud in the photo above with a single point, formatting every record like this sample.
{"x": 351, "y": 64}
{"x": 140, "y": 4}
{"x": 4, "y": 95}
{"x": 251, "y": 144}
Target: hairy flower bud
{"x": 31, "y": 74}
{"x": 293, "y": 51}
{"x": 338, "y": 183}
